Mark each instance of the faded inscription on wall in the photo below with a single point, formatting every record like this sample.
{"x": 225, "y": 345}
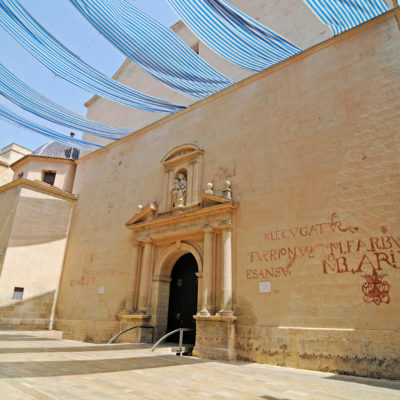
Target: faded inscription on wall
{"x": 91, "y": 277}
{"x": 368, "y": 257}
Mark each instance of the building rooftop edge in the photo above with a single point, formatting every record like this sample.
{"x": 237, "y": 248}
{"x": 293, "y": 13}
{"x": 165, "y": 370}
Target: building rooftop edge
{"x": 394, "y": 12}
{"x": 35, "y": 156}
{"x": 37, "y": 185}
{"x": 11, "y": 145}
{"x": 124, "y": 65}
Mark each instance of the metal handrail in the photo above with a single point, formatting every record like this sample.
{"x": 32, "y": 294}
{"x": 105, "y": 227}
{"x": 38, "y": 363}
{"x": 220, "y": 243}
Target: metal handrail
{"x": 181, "y": 330}
{"x": 131, "y": 328}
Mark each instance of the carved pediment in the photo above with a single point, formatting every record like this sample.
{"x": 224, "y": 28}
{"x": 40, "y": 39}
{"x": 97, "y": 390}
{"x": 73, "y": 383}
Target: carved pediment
{"x": 214, "y": 211}
{"x": 144, "y": 214}
{"x": 208, "y": 199}
{"x": 181, "y": 154}
{"x": 209, "y": 204}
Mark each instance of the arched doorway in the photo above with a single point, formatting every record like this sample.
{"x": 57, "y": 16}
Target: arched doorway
{"x": 183, "y": 297}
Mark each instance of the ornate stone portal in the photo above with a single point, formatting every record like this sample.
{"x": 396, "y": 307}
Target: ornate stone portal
{"x": 203, "y": 227}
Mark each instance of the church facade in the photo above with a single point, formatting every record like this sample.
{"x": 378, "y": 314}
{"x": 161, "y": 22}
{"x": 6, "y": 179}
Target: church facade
{"x": 265, "y": 218}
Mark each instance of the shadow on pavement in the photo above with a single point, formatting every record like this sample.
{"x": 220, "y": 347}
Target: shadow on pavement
{"x": 23, "y": 338}
{"x": 39, "y": 369}
{"x": 383, "y": 383}
{"x": 72, "y": 349}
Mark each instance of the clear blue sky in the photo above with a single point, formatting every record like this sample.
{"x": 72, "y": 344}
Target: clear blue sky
{"x": 64, "y": 22}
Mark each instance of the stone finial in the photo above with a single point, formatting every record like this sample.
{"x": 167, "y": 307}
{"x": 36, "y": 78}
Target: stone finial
{"x": 210, "y": 188}
{"x": 227, "y": 191}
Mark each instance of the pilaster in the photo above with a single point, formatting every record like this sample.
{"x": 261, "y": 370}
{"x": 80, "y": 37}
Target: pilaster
{"x": 145, "y": 279}
{"x": 226, "y": 298}
{"x": 206, "y": 298}
{"x": 131, "y": 299}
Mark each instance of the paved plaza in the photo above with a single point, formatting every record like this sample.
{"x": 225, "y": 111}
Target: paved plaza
{"x": 42, "y": 366}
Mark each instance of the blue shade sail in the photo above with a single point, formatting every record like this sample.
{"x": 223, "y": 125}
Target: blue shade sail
{"x": 19, "y": 24}
{"x": 342, "y": 15}
{"x": 30, "y": 100}
{"x": 233, "y": 35}
{"x": 15, "y": 119}
{"x": 152, "y": 46}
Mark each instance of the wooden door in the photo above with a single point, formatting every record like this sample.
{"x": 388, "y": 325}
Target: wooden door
{"x": 183, "y": 298}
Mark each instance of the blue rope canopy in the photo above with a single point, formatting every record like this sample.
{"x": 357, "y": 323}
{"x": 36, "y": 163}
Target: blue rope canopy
{"x": 229, "y": 32}
{"x": 233, "y": 35}
{"x": 15, "y": 119}
{"x": 342, "y": 15}
{"x": 154, "y": 47}
{"x": 20, "y": 25}
{"x": 17, "y": 91}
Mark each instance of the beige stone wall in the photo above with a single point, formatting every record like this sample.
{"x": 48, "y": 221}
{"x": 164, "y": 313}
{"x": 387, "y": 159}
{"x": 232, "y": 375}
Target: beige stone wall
{"x": 8, "y": 206}
{"x": 9, "y": 155}
{"x": 36, "y": 226}
{"x": 312, "y": 152}
{"x": 6, "y": 173}
{"x": 13, "y": 152}
{"x": 65, "y": 172}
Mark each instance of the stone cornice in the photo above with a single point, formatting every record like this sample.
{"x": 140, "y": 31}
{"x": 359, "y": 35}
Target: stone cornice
{"x": 32, "y": 157}
{"x": 39, "y": 186}
{"x": 184, "y": 216}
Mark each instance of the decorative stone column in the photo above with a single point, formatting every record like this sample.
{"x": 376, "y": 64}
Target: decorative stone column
{"x": 131, "y": 299}
{"x": 145, "y": 279}
{"x": 207, "y": 306}
{"x": 142, "y": 315}
{"x": 226, "y": 298}
{"x": 169, "y": 179}
{"x": 194, "y": 173}
{"x": 215, "y": 334}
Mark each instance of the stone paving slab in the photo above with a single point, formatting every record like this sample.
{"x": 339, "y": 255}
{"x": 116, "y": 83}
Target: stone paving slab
{"x": 47, "y": 368}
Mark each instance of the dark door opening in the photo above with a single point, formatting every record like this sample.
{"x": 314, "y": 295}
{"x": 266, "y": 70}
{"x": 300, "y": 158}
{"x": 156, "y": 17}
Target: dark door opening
{"x": 183, "y": 298}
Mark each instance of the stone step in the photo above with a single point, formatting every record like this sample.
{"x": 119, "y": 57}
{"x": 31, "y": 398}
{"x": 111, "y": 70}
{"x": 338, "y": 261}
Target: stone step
{"x": 37, "y": 333}
{"x": 186, "y": 349}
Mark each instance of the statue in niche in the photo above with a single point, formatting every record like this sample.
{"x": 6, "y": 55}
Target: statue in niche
{"x": 179, "y": 190}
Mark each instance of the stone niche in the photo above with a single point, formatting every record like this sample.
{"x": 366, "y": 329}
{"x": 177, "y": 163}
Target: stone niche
{"x": 183, "y": 166}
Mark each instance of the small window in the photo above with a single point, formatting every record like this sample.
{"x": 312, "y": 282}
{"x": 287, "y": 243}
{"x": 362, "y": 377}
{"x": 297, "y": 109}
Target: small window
{"x": 49, "y": 177}
{"x": 18, "y": 293}
{"x": 20, "y": 175}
